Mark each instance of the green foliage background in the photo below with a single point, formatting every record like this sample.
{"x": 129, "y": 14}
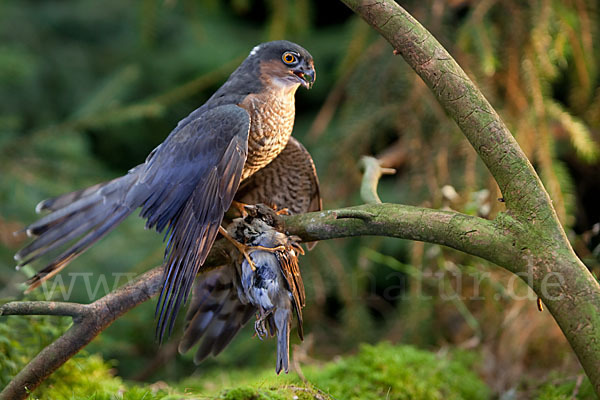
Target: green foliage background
{"x": 87, "y": 89}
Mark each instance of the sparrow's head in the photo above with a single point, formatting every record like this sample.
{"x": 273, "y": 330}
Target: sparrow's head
{"x": 284, "y": 63}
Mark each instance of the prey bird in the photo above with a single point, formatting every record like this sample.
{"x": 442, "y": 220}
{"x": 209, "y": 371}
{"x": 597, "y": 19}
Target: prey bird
{"x": 267, "y": 284}
{"x": 188, "y": 182}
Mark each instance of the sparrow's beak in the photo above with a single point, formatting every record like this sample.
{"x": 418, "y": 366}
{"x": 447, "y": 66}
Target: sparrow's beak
{"x": 306, "y": 73}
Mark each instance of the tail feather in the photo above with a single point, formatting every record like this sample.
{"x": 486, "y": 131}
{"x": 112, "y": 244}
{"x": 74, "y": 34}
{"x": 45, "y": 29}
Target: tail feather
{"x": 55, "y": 238}
{"x": 74, "y": 251}
{"x": 215, "y": 315}
{"x": 57, "y": 217}
{"x": 282, "y": 321}
{"x": 56, "y": 203}
{"x": 84, "y": 216}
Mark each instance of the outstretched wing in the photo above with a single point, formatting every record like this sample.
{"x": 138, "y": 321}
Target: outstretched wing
{"x": 289, "y": 181}
{"x": 79, "y": 219}
{"x": 185, "y": 185}
{"x": 192, "y": 178}
{"x": 216, "y": 313}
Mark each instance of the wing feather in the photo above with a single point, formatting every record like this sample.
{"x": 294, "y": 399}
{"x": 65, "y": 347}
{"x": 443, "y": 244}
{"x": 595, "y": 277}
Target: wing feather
{"x": 194, "y": 228}
{"x": 288, "y": 263}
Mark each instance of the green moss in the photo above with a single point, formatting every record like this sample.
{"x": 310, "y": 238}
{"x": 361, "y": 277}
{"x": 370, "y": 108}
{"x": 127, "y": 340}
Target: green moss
{"x": 21, "y": 338}
{"x": 376, "y": 372}
{"x": 283, "y": 392}
{"x": 399, "y": 372}
{"x": 248, "y": 393}
{"x": 566, "y": 390}
{"x": 84, "y": 375}
{"x": 380, "y": 371}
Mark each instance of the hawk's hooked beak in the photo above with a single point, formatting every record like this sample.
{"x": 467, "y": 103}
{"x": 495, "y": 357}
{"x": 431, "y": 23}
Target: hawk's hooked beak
{"x": 306, "y": 75}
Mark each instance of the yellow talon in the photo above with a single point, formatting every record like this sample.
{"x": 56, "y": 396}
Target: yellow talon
{"x": 246, "y": 250}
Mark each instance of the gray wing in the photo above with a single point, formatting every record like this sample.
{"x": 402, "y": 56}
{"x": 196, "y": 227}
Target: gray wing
{"x": 216, "y": 313}
{"x": 185, "y": 185}
{"x": 289, "y": 181}
{"x": 198, "y": 172}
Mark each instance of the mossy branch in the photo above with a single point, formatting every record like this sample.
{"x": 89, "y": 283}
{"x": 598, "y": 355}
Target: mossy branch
{"x": 540, "y": 248}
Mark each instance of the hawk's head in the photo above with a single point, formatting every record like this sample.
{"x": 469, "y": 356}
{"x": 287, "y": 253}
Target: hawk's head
{"x": 284, "y": 64}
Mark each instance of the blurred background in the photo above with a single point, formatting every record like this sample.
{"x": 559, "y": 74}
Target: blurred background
{"x": 87, "y": 90}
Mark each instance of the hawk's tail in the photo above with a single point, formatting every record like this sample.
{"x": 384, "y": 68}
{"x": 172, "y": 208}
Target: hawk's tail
{"x": 79, "y": 218}
{"x": 215, "y": 315}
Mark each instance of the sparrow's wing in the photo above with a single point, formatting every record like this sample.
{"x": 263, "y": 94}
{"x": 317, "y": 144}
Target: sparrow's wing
{"x": 288, "y": 263}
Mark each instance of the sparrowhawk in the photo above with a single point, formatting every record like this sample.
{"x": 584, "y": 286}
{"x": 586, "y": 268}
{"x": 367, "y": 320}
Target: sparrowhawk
{"x": 188, "y": 182}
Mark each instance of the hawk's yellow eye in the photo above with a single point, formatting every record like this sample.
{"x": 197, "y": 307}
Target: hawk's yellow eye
{"x": 289, "y": 58}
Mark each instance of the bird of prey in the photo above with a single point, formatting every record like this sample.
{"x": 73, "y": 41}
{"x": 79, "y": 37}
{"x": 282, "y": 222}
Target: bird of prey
{"x": 188, "y": 182}
{"x": 268, "y": 284}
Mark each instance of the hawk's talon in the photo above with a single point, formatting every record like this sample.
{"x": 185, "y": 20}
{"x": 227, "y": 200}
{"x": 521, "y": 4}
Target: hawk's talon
{"x": 269, "y": 249}
{"x": 242, "y": 248}
{"x": 246, "y": 250}
{"x": 283, "y": 211}
{"x": 241, "y": 207}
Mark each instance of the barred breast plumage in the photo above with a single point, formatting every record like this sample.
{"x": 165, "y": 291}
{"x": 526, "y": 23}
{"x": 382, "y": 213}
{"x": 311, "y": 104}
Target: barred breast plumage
{"x": 272, "y": 121}
{"x": 289, "y": 181}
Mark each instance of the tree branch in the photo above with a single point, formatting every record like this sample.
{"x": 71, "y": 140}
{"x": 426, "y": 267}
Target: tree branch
{"x": 467, "y": 233}
{"x": 43, "y": 308}
{"x": 88, "y": 321}
{"x": 540, "y": 246}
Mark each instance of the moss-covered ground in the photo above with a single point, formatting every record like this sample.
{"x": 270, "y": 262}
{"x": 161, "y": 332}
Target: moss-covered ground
{"x": 382, "y": 371}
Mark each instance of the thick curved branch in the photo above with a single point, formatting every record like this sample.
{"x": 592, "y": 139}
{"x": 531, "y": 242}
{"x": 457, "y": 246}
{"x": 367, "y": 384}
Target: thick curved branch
{"x": 466, "y": 233}
{"x": 541, "y": 248}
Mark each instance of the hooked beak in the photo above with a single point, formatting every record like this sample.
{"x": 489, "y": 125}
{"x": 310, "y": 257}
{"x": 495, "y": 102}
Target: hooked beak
{"x": 306, "y": 75}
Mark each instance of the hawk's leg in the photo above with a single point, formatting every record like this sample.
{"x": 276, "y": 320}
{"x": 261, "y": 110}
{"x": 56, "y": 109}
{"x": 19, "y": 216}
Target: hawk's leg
{"x": 283, "y": 211}
{"x": 241, "y": 207}
{"x": 246, "y": 250}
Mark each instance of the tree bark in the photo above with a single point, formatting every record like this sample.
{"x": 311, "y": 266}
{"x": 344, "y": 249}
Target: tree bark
{"x": 540, "y": 249}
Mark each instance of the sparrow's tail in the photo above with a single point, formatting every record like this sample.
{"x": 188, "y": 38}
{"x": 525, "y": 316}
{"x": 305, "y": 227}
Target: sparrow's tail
{"x": 78, "y": 219}
{"x": 283, "y": 319}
